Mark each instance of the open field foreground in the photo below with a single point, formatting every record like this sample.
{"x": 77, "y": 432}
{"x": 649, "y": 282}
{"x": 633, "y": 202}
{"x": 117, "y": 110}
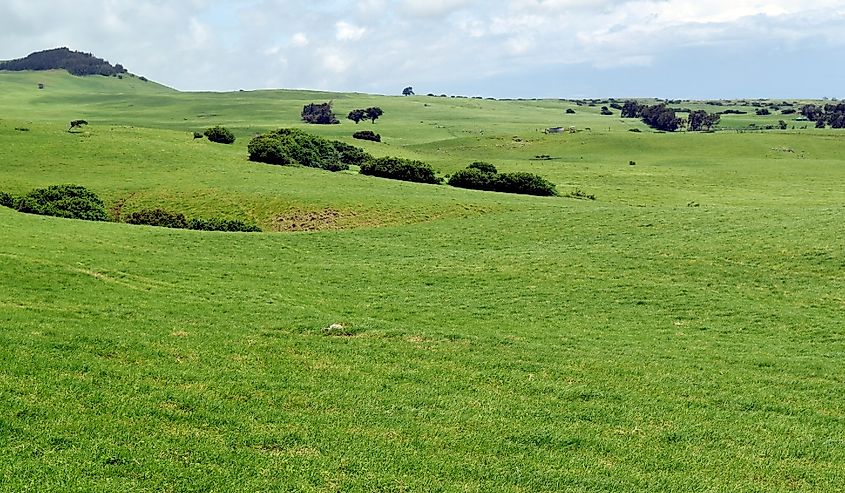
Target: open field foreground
{"x": 685, "y": 331}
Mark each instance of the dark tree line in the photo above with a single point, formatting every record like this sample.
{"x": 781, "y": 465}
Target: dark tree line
{"x": 75, "y": 62}
{"x": 662, "y": 117}
{"x": 829, "y": 114}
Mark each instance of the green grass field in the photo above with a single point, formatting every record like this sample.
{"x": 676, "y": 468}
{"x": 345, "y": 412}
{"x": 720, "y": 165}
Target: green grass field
{"x": 683, "y": 332}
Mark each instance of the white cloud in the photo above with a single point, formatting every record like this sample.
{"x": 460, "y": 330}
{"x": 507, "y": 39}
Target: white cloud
{"x": 210, "y": 44}
{"x": 349, "y": 32}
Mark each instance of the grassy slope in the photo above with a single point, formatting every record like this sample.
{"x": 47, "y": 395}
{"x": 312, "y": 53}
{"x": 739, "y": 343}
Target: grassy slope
{"x": 501, "y": 342}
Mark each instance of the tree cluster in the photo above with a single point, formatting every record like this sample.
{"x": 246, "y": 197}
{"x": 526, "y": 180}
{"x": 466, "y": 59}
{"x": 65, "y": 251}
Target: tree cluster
{"x": 319, "y": 114}
{"x": 661, "y": 117}
{"x": 75, "y": 62}
{"x": 372, "y": 113}
{"x": 700, "y": 120}
{"x": 829, "y": 114}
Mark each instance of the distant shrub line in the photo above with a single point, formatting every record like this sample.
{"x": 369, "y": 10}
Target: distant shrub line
{"x": 77, "y": 202}
{"x": 400, "y": 169}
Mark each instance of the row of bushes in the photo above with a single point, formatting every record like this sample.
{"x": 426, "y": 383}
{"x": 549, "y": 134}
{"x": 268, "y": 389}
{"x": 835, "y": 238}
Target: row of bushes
{"x": 293, "y": 146}
{"x": 77, "y": 202}
{"x": 485, "y": 176}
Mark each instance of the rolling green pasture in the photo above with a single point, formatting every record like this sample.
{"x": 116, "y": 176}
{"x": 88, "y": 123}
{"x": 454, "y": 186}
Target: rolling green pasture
{"x": 683, "y": 332}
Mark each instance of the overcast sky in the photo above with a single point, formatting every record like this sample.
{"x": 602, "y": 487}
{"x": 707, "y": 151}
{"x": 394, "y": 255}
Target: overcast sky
{"x": 507, "y": 48}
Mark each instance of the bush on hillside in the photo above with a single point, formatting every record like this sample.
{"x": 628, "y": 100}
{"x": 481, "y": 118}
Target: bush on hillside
{"x": 293, "y": 146}
{"x": 217, "y": 224}
{"x": 349, "y": 154}
{"x": 221, "y": 135}
{"x": 68, "y": 201}
{"x": 484, "y": 167}
{"x": 400, "y": 169}
{"x": 570, "y": 111}
{"x": 6, "y": 200}
{"x": 474, "y": 179}
{"x": 176, "y": 220}
{"x": 483, "y": 176}
{"x": 158, "y": 217}
{"x": 367, "y": 135}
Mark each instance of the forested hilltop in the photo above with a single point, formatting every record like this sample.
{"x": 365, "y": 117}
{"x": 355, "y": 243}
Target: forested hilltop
{"x": 75, "y": 62}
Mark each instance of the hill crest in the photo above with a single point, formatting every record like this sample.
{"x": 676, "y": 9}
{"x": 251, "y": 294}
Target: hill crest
{"x": 75, "y": 62}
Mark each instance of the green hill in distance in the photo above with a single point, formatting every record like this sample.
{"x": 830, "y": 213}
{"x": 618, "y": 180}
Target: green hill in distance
{"x": 75, "y": 62}
{"x": 682, "y": 332}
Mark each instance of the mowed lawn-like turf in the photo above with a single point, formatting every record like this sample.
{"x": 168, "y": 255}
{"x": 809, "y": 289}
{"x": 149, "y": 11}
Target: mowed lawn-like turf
{"x": 683, "y": 332}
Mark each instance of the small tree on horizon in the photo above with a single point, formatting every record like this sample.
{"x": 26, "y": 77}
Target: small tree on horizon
{"x": 408, "y": 91}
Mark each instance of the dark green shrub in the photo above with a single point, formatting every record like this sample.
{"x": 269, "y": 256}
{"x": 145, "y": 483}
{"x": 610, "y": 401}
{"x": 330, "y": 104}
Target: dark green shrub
{"x": 198, "y": 135}
{"x": 221, "y": 135}
{"x": 217, "y": 224}
{"x": 474, "y": 179}
{"x": 69, "y": 201}
{"x": 290, "y": 145}
{"x": 268, "y": 148}
{"x": 570, "y": 111}
{"x": 350, "y": 154}
{"x": 484, "y": 167}
{"x": 524, "y": 183}
{"x": 400, "y": 169}
{"x": 166, "y": 219}
{"x": 367, "y": 135}
{"x": 158, "y": 217}
{"x": 6, "y": 200}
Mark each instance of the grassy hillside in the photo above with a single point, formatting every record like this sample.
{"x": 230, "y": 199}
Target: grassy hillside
{"x": 683, "y": 332}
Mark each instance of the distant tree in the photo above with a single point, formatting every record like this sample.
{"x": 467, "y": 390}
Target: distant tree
{"x": 77, "y": 124}
{"x": 701, "y": 120}
{"x": 782, "y": 125}
{"x": 408, "y": 91}
{"x": 605, "y": 111}
{"x": 373, "y": 113}
{"x": 570, "y": 111}
{"x": 357, "y": 115}
{"x": 811, "y": 112}
{"x": 661, "y": 117}
{"x": 632, "y": 109}
{"x": 763, "y": 112}
{"x": 319, "y": 114}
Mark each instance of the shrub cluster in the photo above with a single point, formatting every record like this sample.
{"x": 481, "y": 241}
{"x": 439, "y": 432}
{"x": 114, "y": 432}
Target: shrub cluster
{"x": 484, "y": 176}
{"x": 351, "y": 155}
{"x": 6, "y": 200}
{"x": 400, "y": 169}
{"x": 367, "y": 135}
{"x": 293, "y": 146}
{"x": 68, "y": 201}
{"x": 166, "y": 219}
{"x": 221, "y": 135}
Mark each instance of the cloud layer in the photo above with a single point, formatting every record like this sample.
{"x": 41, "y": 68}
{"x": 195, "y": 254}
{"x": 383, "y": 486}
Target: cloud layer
{"x": 481, "y": 47}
